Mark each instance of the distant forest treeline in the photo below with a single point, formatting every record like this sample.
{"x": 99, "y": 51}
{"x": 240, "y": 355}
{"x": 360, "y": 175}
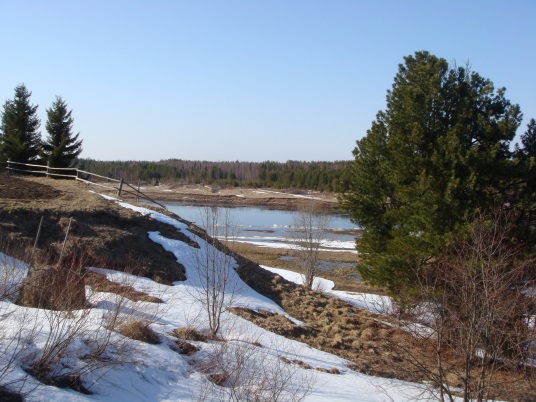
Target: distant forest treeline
{"x": 320, "y": 176}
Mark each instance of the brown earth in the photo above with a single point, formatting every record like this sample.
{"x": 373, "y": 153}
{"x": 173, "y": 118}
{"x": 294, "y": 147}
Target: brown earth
{"x": 13, "y": 188}
{"x": 116, "y": 238}
{"x": 107, "y": 233}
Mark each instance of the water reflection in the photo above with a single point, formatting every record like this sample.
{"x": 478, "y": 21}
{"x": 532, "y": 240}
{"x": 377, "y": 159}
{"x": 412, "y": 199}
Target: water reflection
{"x": 270, "y": 227}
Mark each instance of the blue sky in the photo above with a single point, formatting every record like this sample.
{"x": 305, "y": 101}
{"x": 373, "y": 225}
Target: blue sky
{"x": 247, "y": 80}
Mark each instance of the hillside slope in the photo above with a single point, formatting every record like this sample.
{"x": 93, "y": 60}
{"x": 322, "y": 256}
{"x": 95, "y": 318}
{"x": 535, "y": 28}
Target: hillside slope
{"x": 281, "y": 317}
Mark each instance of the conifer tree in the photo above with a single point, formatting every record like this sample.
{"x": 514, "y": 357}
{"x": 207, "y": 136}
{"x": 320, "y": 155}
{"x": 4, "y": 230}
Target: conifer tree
{"x": 61, "y": 147}
{"x": 526, "y": 163}
{"x": 528, "y": 139}
{"x": 19, "y": 139}
{"x": 437, "y": 154}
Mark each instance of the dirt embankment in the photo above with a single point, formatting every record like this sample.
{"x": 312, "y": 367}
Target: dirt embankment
{"x": 108, "y": 235}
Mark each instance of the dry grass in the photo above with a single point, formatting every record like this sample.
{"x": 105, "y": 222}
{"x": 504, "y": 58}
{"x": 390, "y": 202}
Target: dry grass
{"x": 184, "y": 348}
{"x": 305, "y": 366}
{"x": 189, "y": 333}
{"x": 276, "y": 323}
{"x": 139, "y": 330}
{"x": 99, "y": 283}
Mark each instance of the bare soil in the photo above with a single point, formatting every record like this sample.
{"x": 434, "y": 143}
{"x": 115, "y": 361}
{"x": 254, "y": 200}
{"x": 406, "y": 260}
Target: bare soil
{"x": 13, "y": 188}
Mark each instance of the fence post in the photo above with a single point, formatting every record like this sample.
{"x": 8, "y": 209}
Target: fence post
{"x": 9, "y": 167}
{"x": 48, "y": 167}
{"x": 120, "y": 188}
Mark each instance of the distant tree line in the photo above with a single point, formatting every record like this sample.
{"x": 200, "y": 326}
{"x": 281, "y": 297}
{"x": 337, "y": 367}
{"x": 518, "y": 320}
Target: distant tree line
{"x": 320, "y": 176}
{"x": 20, "y": 138}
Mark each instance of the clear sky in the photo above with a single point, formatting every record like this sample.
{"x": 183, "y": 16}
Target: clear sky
{"x": 247, "y": 80}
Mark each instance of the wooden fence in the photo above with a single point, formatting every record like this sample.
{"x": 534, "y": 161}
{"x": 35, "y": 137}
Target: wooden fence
{"x": 81, "y": 175}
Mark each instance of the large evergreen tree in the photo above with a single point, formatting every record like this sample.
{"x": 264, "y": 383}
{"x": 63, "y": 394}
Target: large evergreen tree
{"x": 20, "y": 139}
{"x": 61, "y": 147}
{"x": 439, "y": 152}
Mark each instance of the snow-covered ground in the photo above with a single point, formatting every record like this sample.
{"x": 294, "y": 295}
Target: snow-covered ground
{"x": 158, "y": 373}
{"x": 276, "y": 242}
{"x": 293, "y": 195}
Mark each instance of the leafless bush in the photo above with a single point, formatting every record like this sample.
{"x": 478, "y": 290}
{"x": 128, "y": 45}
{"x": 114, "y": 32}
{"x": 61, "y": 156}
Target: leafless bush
{"x": 309, "y": 230}
{"x": 473, "y": 313}
{"x": 65, "y": 312}
{"x": 75, "y": 341}
{"x": 216, "y": 283}
{"x": 240, "y": 370}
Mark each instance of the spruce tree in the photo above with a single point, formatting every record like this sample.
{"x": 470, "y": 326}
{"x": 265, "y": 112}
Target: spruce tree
{"x": 19, "y": 139}
{"x": 61, "y": 147}
{"x": 437, "y": 154}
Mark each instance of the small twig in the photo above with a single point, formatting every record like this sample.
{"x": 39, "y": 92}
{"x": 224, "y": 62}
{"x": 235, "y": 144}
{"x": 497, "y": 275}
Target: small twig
{"x": 65, "y": 240}
{"x": 36, "y": 240}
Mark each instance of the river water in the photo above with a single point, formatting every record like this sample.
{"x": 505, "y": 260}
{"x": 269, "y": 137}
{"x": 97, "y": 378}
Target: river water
{"x": 271, "y": 227}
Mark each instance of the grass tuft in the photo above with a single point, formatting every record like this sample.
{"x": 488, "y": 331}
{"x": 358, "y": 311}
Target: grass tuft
{"x": 139, "y": 330}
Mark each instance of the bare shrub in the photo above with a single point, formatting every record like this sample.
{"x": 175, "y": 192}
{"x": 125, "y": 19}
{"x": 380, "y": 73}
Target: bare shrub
{"x": 216, "y": 283}
{"x": 240, "y": 371}
{"x": 309, "y": 230}
{"x": 73, "y": 347}
{"x": 59, "y": 292}
{"x": 124, "y": 305}
{"x": 473, "y": 315}
{"x": 126, "y": 313}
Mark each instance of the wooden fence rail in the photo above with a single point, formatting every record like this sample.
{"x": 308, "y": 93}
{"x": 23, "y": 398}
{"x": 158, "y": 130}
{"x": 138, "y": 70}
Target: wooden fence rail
{"x": 80, "y": 175}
